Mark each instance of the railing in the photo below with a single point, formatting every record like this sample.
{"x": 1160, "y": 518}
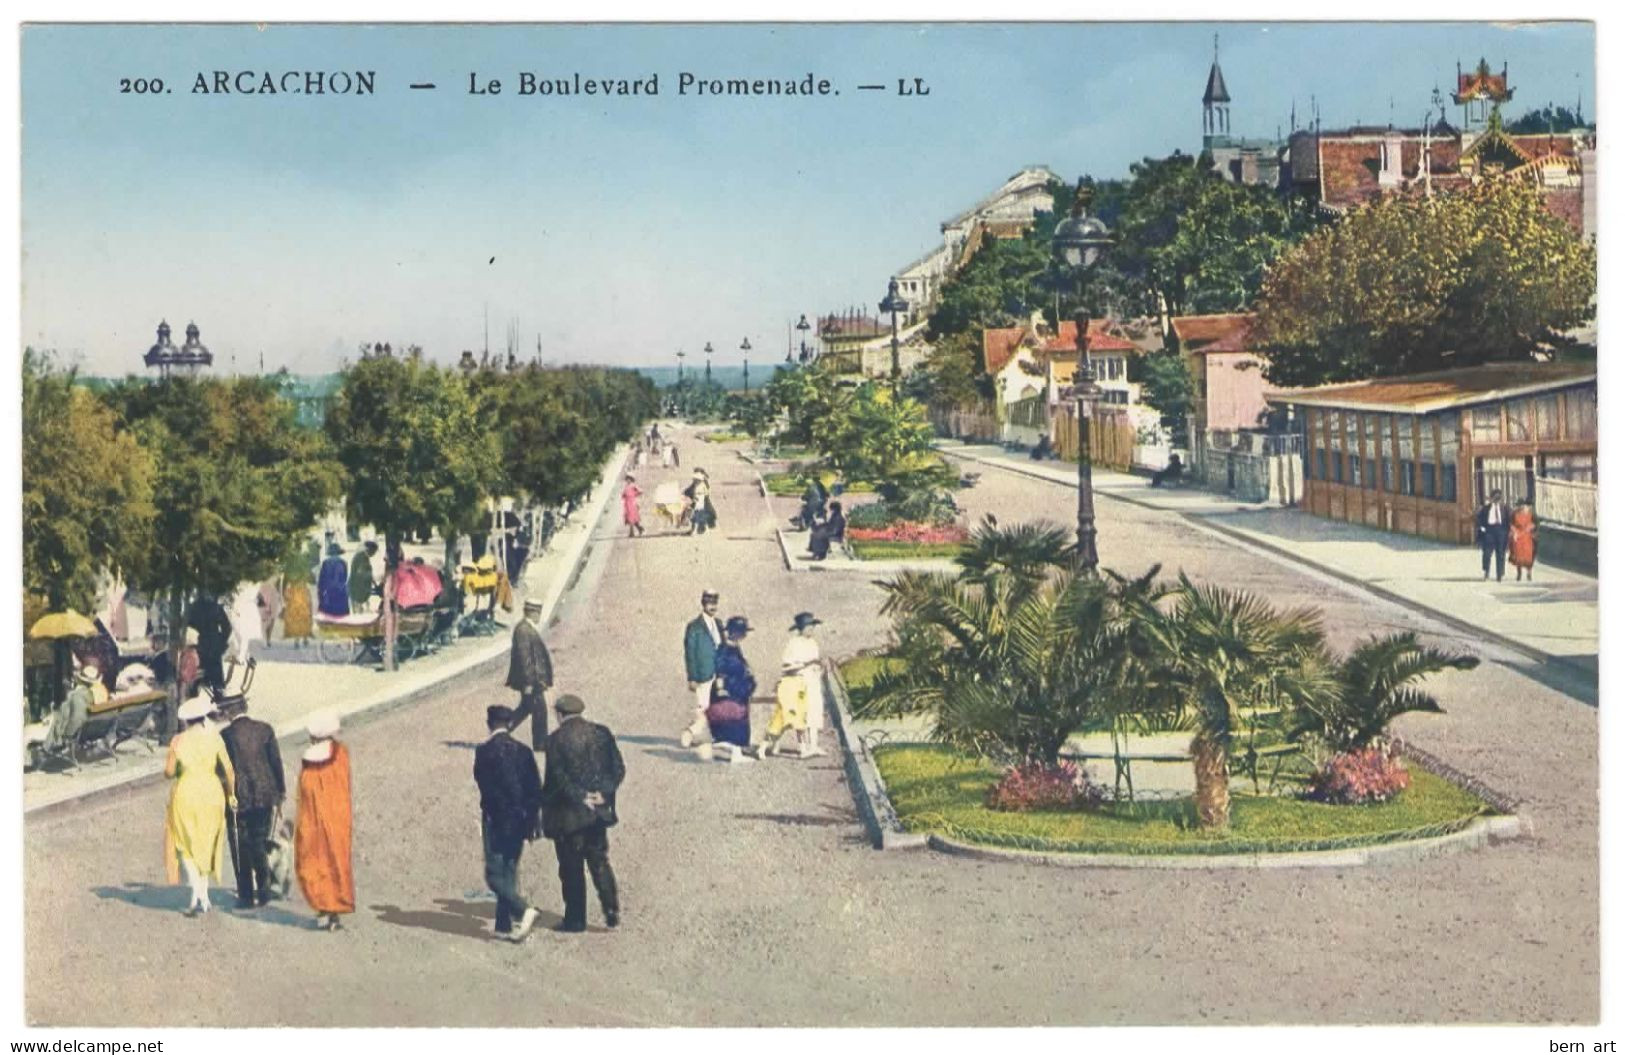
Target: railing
{"x": 1566, "y": 502}
{"x": 1254, "y": 442}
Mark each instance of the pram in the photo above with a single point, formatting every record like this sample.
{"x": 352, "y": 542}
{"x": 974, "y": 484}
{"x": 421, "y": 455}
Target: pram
{"x": 672, "y": 506}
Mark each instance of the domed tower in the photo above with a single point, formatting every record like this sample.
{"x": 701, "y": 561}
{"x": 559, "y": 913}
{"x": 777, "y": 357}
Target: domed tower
{"x": 163, "y": 355}
{"x": 193, "y": 356}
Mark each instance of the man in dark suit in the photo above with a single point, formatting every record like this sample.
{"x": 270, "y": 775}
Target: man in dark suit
{"x": 701, "y": 638}
{"x": 584, "y": 769}
{"x": 208, "y": 618}
{"x": 261, "y": 787}
{"x": 530, "y": 673}
{"x": 510, "y": 796}
{"x": 1494, "y": 521}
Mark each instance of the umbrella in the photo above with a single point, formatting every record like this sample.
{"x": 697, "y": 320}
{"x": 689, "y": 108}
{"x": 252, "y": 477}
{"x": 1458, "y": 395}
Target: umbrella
{"x": 416, "y": 584}
{"x": 62, "y": 624}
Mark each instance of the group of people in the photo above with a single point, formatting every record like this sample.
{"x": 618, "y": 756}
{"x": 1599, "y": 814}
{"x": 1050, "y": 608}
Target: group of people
{"x": 653, "y": 445}
{"x": 1506, "y": 533}
{"x": 823, "y": 520}
{"x": 228, "y": 788}
{"x": 722, "y": 687}
{"x": 343, "y": 588}
{"x": 697, "y": 511}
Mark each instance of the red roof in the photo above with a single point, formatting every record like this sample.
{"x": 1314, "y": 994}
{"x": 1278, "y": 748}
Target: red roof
{"x": 1482, "y": 84}
{"x": 998, "y": 345}
{"x": 1201, "y": 334}
{"x": 1100, "y": 339}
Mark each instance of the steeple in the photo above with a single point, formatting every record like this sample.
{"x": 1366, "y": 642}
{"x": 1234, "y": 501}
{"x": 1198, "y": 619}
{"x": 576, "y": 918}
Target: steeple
{"x": 1216, "y": 100}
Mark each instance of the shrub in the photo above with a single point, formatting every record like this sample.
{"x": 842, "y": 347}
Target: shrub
{"x": 1370, "y": 774}
{"x": 930, "y": 505}
{"x": 1036, "y": 786}
{"x": 870, "y": 515}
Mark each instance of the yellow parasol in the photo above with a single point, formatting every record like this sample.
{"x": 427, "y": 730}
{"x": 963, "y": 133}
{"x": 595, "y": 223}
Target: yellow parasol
{"x": 62, "y": 624}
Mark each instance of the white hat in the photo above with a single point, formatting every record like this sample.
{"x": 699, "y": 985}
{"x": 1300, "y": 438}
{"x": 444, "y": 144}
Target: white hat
{"x": 323, "y": 725}
{"x": 89, "y": 674}
{"x": 193, "y": 709}
{"x": 191, "y": 636}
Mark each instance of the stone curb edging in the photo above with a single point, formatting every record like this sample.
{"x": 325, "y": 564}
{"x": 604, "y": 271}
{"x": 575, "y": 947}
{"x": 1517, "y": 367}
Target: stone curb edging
{"x": 868, "y": 788}
{"x": 475, "y": 662}
{"x": 1208, "y": 522}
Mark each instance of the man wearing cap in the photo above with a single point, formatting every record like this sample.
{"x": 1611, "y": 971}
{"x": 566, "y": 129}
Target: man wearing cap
{"x": 530, "y": 673}
{"x": 261, "y": 787}
{"x": 510, "y": 797}
{"x": 584, "y": 769}
{"x": 701, "y": 639}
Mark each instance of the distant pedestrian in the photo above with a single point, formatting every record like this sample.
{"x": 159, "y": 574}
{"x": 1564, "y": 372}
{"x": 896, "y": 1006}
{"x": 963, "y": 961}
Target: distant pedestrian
{"x": 833, "y": 529}
{"x": 675, "y": 462}
{"x": 204, "y": 788}
{"x": 630, "y": 513}
{"x": 728, "y": 717}
{"x": 270, "y": 606}
{"x": 510, "y": 798}
{"x": 584, "y": 770}
{"x": 261, "y": 787}
{"x": 701, "y": 639}
{"x": 705, "y": 514}
{"x": 296, "y": 622}
{"x": 321, "y": 836}
{"x": 667, "y": 450}
{"x": 332, "y": 589}
{"x": 800, "y": 695}
{"x": 361, "y": 580}
{"x": 638, "y": 454}
{"x": 1521, "y": 540}
{"x": 1494, "y": 519}
{"x": 530, "y": 673}
{"x": 208, "y": 618}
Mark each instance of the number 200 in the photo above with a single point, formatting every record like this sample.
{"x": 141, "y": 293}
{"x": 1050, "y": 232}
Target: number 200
{"x": 140, "y": 86}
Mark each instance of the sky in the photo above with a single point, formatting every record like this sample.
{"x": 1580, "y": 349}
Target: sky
{"x": 617, "y": 230}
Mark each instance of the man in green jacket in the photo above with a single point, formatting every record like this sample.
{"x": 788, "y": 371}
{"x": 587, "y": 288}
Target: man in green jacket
{"x": 700, "y": 640}
{"x": 361, "y": 578}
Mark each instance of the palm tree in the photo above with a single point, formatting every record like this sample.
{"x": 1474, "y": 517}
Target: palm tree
{"x": 1375, "y": 686}
{"x": 1221, "y": 651}
{"x": 1015, "y": 652}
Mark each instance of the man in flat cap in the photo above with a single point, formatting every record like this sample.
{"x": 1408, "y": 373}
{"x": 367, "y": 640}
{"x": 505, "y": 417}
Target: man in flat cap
{"x": 701, "y": 639}
{"x": 530, "y": 673}
{"x": 510, "y": 797}
{"x": 584, "y": 769}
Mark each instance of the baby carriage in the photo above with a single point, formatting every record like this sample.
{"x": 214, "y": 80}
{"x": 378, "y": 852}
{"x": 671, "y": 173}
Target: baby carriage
{"x": 673, "y": 506}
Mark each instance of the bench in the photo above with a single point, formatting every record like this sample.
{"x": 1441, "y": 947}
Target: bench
{"x": 107, "y": 726}
{"x": 1245, "y": 760}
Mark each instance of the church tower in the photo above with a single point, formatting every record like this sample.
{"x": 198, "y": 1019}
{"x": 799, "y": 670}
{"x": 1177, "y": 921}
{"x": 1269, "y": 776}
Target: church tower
{"x": 1215, "y": 103}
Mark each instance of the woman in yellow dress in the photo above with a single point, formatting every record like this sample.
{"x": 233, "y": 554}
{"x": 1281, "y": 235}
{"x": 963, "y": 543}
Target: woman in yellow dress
{"x": 195, "y": 826}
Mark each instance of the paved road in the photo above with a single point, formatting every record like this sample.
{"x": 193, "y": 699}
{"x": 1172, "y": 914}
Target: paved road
{"x": 752, "y": 897}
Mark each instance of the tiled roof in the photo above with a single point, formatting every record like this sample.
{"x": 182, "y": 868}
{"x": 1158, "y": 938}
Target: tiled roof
{"x": 998, "y": 345}
{"x": 1423, "y": 393}
{"x": 1199, "y": 333}
{"x": 1100, "y": 338}
{"x": 1481, "y": 83}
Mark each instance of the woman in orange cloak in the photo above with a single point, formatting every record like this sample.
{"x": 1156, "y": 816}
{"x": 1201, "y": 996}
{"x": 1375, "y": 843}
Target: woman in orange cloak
{"x": 321, "y": 838}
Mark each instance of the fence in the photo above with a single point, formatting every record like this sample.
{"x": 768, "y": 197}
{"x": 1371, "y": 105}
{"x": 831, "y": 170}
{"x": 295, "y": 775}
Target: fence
{"x": 966, "y": 423}
{"x": 1566, "y": 502}
{"x": 1111, "y": 437}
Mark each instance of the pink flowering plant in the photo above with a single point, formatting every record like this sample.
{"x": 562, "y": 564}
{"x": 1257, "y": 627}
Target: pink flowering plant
{"x": 1036, "y": 786}
{"x": 1354, "y": 778}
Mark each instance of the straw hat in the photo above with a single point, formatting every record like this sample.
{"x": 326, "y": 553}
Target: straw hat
{"x": 89, "y": 675}
{"x": 194, "y": 709}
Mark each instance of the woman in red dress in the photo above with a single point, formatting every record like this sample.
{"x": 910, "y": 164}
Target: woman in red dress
{"x": 1521, "y": 540}
{"x": 629, "y": 507}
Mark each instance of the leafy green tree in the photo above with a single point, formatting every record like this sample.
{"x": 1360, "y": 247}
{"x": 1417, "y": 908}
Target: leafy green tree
{"x": 952, "y": 374}
{"x": 753, "y": 415}
{"x": 237, "y": 483}
{"x": 415, "y": 452}
{"x": 87, "y": 489}
{"x": 1219, "y": 652}
{"x": 807, "y": 395}
{"x": 1166, "y": 386}
{"x": 1376, "y": 683}
{"x": 871, "y": 434}
{"x": 1410, "y": 285}
{"x": 1548, "y": 119}
{"x": 1014, "y": 653}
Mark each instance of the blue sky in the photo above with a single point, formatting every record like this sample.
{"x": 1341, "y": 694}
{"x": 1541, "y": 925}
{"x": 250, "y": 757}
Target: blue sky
{"x": 622, "y": 229}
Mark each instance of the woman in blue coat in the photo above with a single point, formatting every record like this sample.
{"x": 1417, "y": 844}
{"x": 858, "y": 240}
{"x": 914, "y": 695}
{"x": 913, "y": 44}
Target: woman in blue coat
{"x": 333, "y": 583}
{"x": 729, "y": 714}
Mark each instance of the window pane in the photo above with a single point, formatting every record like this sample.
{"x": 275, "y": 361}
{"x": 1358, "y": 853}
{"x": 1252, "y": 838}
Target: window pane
{"x": 1407, "y": 478}
{"x": 1447, "y": 482}
{"x": 1430, "y": 480}
{"x": 1520, "y": 424}
{"x": 1337, "y": 467}
{"x": 1354, "y": 470}
{"x": 1487, "y": 424}
{"x": 1546, "y": 418}
{"x": 1335, "y": 429}
{"x": 1320, "y": 463}
{"x": 1449, "y": 443}
{"x": 1582, "y": 413}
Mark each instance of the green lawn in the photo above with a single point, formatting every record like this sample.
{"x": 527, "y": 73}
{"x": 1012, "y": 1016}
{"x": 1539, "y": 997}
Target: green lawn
{"x": 937, "y": 791}
{"x": 793, "y": 484}
{"x": 876, "y": 549}
{"x": 723, "y": 437}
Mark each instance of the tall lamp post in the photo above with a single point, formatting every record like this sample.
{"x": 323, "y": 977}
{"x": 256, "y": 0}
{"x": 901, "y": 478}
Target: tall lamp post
{"x": 680, "y": 355}
{"x": 744, "y": 346}
{"x": 894, "y": 304}
{"x": 708, "y": 351}
{"x": 1078, "y": 243}
{"x": 802, "y": 327}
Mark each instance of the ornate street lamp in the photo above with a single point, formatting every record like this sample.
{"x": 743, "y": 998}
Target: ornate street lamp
{"x": 894, "y": 304}
{"x": 708, "y": 351}
{"x": 744, "y": 346}
{"x": 1078, "y": 243}
{"x": 801, "y": 327}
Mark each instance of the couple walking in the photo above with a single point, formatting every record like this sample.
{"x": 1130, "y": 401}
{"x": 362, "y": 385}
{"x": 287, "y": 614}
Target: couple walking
{"x": 1506, "y": 532}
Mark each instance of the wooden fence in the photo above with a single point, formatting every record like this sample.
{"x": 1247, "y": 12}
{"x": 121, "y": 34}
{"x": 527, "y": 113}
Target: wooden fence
{"x": 967, "y": 423}
{"x": 1111, "y": 437}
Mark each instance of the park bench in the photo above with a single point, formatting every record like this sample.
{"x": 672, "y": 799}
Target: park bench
{"x": 107, "y": 726}
{"x": 1245, "y": 760}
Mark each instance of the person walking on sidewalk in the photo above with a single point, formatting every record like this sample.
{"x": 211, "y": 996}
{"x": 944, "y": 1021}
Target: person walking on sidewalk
{"x": 321, "y": 837}
{"x": 1494, "y": 519}
{"x": 1521, "y": 540}
{"x": 630, "y": 514}
{"x": 728, "y": 718}
{"x": 584, "y": 770}
{"x": 701, "y": 639}
{"x": 261, "y": 787}
{"x": 205, "y": 787}
{"x": 510, "y": 799}
{"x": 530, "y": 673}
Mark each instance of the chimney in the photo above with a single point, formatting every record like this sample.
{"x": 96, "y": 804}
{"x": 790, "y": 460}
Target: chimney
{"x": 1392, "y": 173}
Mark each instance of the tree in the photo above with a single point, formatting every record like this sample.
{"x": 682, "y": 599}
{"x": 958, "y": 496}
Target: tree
{"x": 237, "y": 482}
{"x": 1375, "y": 685}
{"x": 87, "y": 489}
{"x": 806, "y": 395}
{"x": 1219, "y": 652}
{"x": 873, "y": 435}
{"x": 753, "y": 415}
{"x": 1014, "y": 653}
{"x": 1166, "y": 385}
{"x": 1547, "y": 120}
{"x": 1409, "y": 285}
{"x": 952, "y": 374}
{"x": 415, "y": 453}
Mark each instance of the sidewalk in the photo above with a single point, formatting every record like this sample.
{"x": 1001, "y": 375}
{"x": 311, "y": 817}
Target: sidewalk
{"x": 1554, "y": 618}
{"x": 285, "y": 692}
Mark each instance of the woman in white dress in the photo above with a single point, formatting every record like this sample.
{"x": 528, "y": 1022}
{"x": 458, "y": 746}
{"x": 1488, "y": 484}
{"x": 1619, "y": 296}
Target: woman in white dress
{"x": 800, "y": 707}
